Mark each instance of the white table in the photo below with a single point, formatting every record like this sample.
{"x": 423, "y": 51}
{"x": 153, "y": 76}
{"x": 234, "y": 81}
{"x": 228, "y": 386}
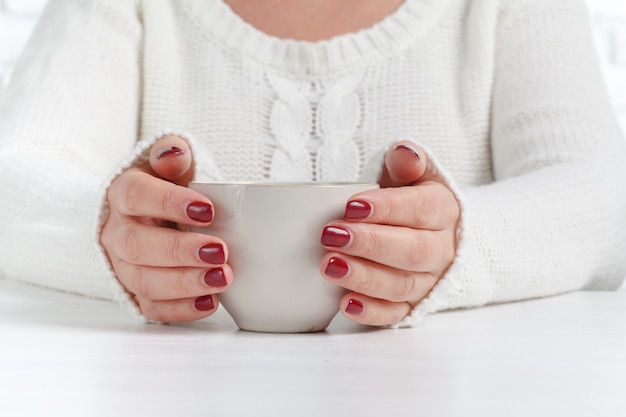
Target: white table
{"x": 71, "y": 356}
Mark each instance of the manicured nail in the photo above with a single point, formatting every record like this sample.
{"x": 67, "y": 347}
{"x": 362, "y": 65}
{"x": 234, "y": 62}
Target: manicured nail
{"x": 354, "y": 307}
{"x": 204, "y": 303}
{"x": 358, "y": 210}
{"x": 170, "y": 151}
{"x": 212, "y": 253}
{"x": 200, "y": 212}
{"x": 335, "y": 236}
{"x": 215, "y": 278}
{"x": 407, "y": 148}
{"x": 337, "y": 268}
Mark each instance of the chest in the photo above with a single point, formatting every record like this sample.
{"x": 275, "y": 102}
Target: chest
{"x": 259, "y": 122}
{"x": 312, "y": 20}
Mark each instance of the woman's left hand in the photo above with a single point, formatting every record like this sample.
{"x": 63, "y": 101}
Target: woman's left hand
{"x": 396, "y": 242}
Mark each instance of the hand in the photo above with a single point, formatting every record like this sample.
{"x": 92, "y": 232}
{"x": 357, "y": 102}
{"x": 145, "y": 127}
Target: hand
{"x": 396, "y": 242}
{"x": 173, "y": 275}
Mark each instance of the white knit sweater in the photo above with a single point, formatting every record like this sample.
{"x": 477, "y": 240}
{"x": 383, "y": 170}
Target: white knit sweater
{"x": 505, "y": 95}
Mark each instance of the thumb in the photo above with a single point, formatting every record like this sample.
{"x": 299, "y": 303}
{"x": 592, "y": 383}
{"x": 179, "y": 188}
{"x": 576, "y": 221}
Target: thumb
{"x": 172, "y": 160}
{"x": 405, "y": 164}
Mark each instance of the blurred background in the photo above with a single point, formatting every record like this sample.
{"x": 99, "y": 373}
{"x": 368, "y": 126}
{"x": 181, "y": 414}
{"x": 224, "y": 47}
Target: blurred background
{"x": 608, "y": 17}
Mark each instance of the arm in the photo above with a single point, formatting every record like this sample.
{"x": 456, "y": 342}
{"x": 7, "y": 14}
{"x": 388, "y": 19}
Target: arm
{"x": 555, "y": 219}
{"x": 66, "y": 120}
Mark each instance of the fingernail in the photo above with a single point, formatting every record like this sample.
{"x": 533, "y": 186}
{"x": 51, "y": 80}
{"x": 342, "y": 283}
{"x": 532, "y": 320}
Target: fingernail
{"x": 215, "y": 278}
{"x": 170, "y": 151}
{"x": 212, "y": 253}
{"x": 335, "y": 236}
{"x": 354, "y": 307}
{"x": 337, "y": 268}
{"x": 407, "y": 148}
{"x": 199, "y": 211}
{"x": 357, "y": 210}
{"x": 204, "y": 303}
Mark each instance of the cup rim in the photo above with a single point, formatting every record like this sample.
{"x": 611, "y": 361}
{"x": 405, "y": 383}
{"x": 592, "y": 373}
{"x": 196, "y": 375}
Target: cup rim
{"x": 277, "y": 184}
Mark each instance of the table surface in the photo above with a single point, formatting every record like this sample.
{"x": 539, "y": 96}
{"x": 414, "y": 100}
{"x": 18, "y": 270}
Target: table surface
{"x": 67, "y": 355}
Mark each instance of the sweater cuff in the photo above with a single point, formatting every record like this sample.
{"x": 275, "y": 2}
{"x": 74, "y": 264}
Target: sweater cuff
{"x": 139, "y": 156}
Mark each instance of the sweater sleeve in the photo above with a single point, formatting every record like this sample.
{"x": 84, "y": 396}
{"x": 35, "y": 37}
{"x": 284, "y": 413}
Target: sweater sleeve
{"x": 67, "y": 119}
{"x": 554, "y": 219}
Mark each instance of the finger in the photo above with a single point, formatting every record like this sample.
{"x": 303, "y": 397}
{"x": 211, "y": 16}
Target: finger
{"x": 430, "y": 206}
{"x": 171, "y": 159}
{"x": 171, "y": 311}
{"x": 145, "y": 245}
{"x": 397, "y": 247}
{"x": 173, "y": 283}
{"x": 376, "y": 280}
{"x": 139, "y": 194}
{"x": 405, "y": 163}
{"x": 373, "y": 311}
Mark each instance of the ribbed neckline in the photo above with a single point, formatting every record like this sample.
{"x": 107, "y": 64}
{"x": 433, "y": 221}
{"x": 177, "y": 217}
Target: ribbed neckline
{"x": 341, "y": 54}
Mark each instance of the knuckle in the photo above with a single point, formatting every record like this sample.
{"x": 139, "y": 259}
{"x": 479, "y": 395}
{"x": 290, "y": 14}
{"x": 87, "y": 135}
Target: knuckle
{"x": 128, "y": 244}
{"x": 182, "y": 311}
{"x": 131, "y": 193}
{"x": 175, "y": 249}
{"x": 446, "y": 255}
{"x": 406, "y": 288}
{"x": 373, "y": 317}
{"x": 449, "y": 251}
{"x": 418, "y": 255}
{"x": 395, "y": 205}
{"x": 388, "y": 314}
{"x": 426, "y": 203}
{"x": 380, "y": 316}
{"x": 114, "y": 190}
{"x": 367, "y": 282}
{"x": 180, "y": 283}
{"x": 398, "y": 314}
{"x": 149, "y": 309}
{"x": 447, "y": 209}
{"x": 106, "y": 237}
{"x": 389, "y": 204}
{"x": 374, "y": 243}
{"x": 453, "y": 204}
{"x": 385, "y": 207}
{"x": 139, "y": 283}
{"x": 167, "y": 202}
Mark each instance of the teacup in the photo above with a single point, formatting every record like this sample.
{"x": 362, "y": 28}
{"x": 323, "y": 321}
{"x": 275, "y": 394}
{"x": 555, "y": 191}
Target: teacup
{"x": 273, "y": 235}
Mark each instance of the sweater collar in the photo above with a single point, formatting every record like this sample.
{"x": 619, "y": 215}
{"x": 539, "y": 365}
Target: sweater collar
{"x": 329, "y": 58}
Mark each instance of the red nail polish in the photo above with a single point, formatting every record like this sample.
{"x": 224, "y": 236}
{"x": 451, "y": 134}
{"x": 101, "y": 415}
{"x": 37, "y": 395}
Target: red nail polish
{"x": 212, "y": 253}
{"x": 200, "y": 212}
{"x": 337, "y": 268}
{"x": 358, "y": 210}
{"x": 170, "y": 151}
{"x": 215, "y": 278}
{"x": 407, "y": 148}
{"x": 354, "y": 307}
{"x": 336, "y": 237}
{"x": 204, "y": 303}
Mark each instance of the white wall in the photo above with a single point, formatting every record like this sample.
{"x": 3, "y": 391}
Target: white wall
{"x": 17, "y": 19}
{"x": 609, "y": 22}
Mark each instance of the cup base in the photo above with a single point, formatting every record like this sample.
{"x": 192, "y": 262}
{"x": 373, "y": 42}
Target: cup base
{"x": 264, "y": 327}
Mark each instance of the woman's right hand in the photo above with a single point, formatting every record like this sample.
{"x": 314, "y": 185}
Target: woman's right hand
{"x": 173, "y": 275}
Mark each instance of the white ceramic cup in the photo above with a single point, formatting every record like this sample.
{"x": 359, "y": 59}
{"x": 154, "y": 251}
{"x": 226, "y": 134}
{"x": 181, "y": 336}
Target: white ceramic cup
{"x": 273, "y": 235}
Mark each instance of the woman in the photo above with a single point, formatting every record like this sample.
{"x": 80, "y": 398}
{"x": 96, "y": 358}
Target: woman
{"x": 485, "y": 122}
